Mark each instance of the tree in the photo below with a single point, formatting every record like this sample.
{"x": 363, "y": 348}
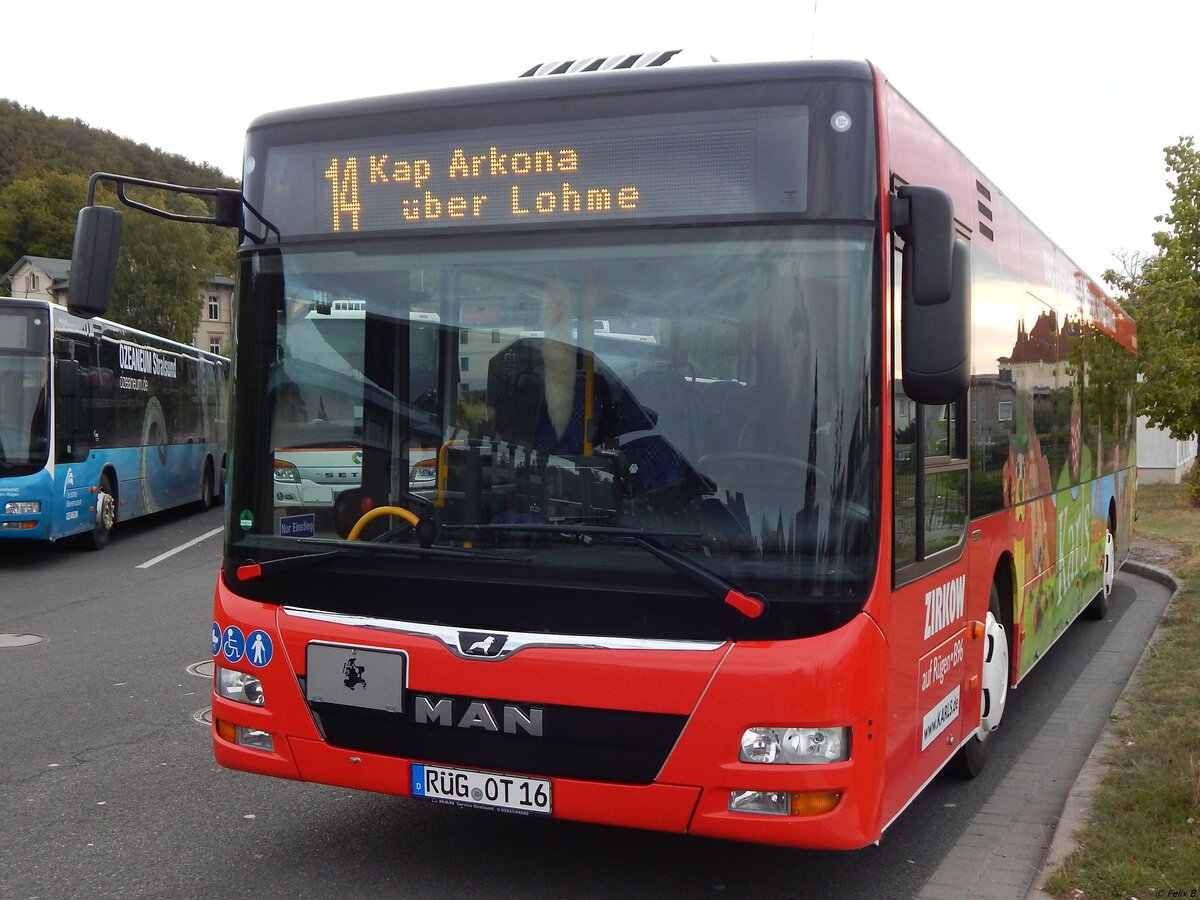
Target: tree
{"x": 157, "y": 286}
{"x": 1162, "y": 293}
{"x": 37, "y": 216}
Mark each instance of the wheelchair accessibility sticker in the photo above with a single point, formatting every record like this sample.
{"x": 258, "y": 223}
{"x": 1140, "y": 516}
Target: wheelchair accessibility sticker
{"x": 233, "y": 644}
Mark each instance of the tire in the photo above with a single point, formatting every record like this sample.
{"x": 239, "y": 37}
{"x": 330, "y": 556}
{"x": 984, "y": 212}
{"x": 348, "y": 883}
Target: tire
{"x": 207, "y": 495}
{"x": 973, "y": 756}
{"x": 106, "y": 515}
{"x": 1098, "y": 608}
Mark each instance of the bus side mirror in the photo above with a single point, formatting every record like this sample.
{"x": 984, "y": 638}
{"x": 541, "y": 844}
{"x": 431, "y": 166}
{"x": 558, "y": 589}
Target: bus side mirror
{"x": 66, "y": 378}
{"x": 924, "y": 218}
{"x": 935, "y": 355}
{"x": 935, "y": 314}
{"x": 94, "y": 260}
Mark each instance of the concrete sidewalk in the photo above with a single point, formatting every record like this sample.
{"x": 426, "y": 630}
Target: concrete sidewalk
{"x": 1027, "y": 826}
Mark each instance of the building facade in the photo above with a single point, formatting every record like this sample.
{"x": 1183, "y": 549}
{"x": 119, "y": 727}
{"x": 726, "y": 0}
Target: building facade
{"x": 45, "y": 278}
{"x": 215, "y": 330}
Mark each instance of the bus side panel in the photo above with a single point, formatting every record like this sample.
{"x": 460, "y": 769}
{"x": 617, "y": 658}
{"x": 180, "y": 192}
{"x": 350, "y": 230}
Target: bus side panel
{"x": 149, "y": 480}
{"x": 167, "y": 475}
{"x": 74, "y": 498}
{"x": 1076, "y": 537}
{"x": 934, "y": 693}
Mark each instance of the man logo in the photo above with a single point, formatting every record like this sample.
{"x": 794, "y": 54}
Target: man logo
{"x": 478, "y": 643}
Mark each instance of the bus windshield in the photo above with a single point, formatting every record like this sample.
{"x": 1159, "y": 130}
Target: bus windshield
{"x": 711, "y": 389}
{"x": 24, "y": 362}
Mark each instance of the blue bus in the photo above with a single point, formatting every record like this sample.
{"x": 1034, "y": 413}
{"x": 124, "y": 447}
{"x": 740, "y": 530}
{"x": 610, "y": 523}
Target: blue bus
{"x": 100, "y": 423}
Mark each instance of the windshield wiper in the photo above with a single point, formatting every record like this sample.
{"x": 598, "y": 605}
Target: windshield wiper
{"x": 249, "y": 570}
{"x": 751, "y": 605}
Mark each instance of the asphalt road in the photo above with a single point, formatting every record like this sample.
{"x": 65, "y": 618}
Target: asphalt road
{"x": 108, "y": 787}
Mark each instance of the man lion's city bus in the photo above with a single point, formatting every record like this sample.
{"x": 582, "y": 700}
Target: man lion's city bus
{"x": 724, "y": 447}
{"x": 100, "y": 423}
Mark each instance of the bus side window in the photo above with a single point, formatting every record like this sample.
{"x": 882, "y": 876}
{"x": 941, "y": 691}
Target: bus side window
{"x": 929, "y": 466}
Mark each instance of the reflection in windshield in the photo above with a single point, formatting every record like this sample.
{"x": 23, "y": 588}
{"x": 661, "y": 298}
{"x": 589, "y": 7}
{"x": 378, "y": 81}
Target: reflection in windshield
{"x": 715, "y": 392}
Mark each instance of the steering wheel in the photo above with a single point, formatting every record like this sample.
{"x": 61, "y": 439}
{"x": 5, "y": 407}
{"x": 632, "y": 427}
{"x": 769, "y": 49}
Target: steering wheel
{"x": 370, "y": 515}
{"x": 748, "y": 469}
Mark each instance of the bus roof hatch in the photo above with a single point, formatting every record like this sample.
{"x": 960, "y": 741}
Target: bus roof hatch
{"x": 619, "y": 61}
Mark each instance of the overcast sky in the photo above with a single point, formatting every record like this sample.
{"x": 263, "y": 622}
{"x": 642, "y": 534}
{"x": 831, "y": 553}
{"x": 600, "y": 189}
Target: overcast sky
{"x": 1065, "y": 106}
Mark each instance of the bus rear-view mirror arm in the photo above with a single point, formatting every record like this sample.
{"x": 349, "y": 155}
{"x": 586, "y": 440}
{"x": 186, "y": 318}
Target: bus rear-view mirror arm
{"x": 98, "y": 233}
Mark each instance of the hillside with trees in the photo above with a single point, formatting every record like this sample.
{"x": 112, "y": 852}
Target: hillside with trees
{"x": 33, "y": 143}
{"x": 45, "y": 163}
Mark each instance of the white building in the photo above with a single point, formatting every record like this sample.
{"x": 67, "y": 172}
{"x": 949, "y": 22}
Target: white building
{"x": 1162, "y": 459}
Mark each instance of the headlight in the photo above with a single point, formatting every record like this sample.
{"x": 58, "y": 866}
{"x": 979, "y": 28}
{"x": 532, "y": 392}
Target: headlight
{"x": 22, "y": 507}
{"x": 795, "y": 745}
{"x": 286, "y": 472}
{"x": 241, "y": 687}
{"x": 423, "y": 472}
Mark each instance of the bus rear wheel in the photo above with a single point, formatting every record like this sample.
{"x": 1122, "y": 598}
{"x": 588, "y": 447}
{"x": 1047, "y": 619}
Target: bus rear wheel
{"x": 973, "y": 756}
{"x": 106, "y": 515}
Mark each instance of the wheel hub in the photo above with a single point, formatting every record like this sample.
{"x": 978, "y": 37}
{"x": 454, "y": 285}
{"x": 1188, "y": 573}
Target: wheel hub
{"x": 995, "y": 675}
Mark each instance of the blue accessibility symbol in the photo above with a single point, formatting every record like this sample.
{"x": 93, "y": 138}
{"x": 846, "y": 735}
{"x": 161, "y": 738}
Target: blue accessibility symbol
{"x": 233, "y": 646}
{"x": 258, "y": 648}
{"x": 216, "y": 639}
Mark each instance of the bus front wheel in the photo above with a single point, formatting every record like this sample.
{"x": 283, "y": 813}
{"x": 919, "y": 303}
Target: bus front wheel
{"x": 973, "y": 755}
{"x": 106, "y": 514}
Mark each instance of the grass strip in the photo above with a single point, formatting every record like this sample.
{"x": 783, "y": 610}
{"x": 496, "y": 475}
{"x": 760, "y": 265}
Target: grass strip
{"x": 1143, "y": 836}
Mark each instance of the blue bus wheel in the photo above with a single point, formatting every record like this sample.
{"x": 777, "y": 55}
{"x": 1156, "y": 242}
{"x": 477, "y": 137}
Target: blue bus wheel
{"x": 106, "y": 514}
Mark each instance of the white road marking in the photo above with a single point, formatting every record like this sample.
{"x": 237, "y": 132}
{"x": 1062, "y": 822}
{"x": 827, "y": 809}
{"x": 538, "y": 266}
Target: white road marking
{"x": 192, "y": 543}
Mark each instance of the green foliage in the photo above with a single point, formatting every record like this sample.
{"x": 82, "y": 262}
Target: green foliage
{"x": 1163, "y": 295}
{"x": 1193, "y": 485}
{"x": 45, "y": 163}
{"x": 157, "y": 287}
{"x": 37, "y": 216}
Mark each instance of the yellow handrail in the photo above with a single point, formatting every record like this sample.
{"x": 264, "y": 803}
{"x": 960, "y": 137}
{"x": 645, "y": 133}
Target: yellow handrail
{"x": 372, "y": 514}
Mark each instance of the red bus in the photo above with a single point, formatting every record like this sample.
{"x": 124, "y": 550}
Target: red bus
{"x": 730, "y": 445}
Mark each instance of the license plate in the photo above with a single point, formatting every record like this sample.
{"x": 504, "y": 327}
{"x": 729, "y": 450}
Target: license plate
{"x": 492, "y": 790}
{"x": 356, "y": 676}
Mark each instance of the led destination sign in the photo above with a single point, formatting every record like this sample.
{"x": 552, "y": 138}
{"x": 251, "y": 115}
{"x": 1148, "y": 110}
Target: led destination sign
{"x": 722, "y": 164}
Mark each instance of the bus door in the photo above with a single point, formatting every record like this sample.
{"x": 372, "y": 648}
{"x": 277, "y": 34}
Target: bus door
{"x": 933, "y": 707}
{"x": 74, "y": 434}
